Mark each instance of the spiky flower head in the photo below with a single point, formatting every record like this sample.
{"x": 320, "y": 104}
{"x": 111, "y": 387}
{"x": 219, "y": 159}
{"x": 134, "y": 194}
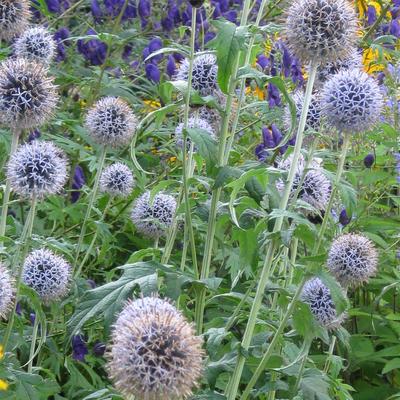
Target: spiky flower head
{"x": 152, "y": 218}
{"x": 193, "y": 123}
{"x": 7, "y": 292}
{"x": 48, "y": 274}
{"x": 154, "y": 352}
{"x": 208, "y": 114}
{"x": 28, "y": 97}
{"x": 117, "y": 180}
{"x": 318, "y": 296}
{"x": 37, "y": 44}
{"x": 352, "y": 259}
{"x": 111, "y": 122}
{"x": 315, "y": 189}
{"x": 205, "y": 71}
{"x": 314, "y": 112}
{"x": 321, "y": 30}
{"x": 37, "y": 169}
{"x": 14, "y": 18}
{"x": 352, "y": 101}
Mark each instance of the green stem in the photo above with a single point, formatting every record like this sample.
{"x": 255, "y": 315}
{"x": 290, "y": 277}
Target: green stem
{"x": 33, "y": 344}
{"x": 90, "y": 206}
{"x": 205, "y": 267}
{"x": 330, "y": 354}
{"x": 327, "y": 216}
{"x": 18, "y": 262}
{"x": 266, "y": 271}
{"x": 301, "y": 371}
{"x": 6, "y": 199}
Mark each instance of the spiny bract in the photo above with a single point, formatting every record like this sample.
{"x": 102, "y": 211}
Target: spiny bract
{"x": 154, "y": 352}
{"x": 352, "y": 101}
{"x": 205, "y": 71}
{"x": 37, "y": 169}
{"x": 111, "y": 122}
{"x": 117, "y": 180}
{"x": 7, "y": 292}
{"x": 48, "y": 274}
{"x": 153, "y": 218}
{"x": 318, "y": 296}
{"x": 37, "y": 44}
{"x": 14, "y": 18}
{"x": 194, "y": 122}
{"x": 321, "y": 30}
{"x": 352, "y": 259}
{"x": 28, "y": 97}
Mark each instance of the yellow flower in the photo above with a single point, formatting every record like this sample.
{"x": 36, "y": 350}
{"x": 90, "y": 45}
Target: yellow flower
{"x": 3, "y": 385}
{"x": 152, "y": 104}
{"x": 372, "y": 60}
{"x": 1, "y": 351}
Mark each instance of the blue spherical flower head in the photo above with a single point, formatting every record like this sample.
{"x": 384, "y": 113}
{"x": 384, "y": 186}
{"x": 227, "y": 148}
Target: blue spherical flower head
{"x": 154, "y": 352}
{"x": 153, "y": 218}
{"x": 14, "y": 18}
{"x": 318, "y": 296}
{"x": 117, "y": 180}
{"x": 352, "y": 101}
{"x": 193, "y": 123}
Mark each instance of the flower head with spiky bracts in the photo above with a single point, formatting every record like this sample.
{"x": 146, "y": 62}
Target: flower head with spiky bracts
{"x": 154, "y": 352}
{"x": 28, "y": 97}
{"x": 352, "y": 101}
{"x": 7, "y": 292}
{"x": 37, "y": 169}
{"x": 321, "y": 30}
{"x": 152, "y": 218}
{"x": 314, "y": 112}
{"x": 111, "y": 122}
{"x": 352, "y": 259}
{"x": 208, "y": 114}
{"x": 37, "y": 44}
{"x": 315, "y": 189}
{"x": 14, "y": 18}
{"x": 48, "y": 274}
{"x": 117, "y": 180}
{"x": 318, "y": 296}
{"x": 205, "y": 71}
{"x": 193, "y": 123}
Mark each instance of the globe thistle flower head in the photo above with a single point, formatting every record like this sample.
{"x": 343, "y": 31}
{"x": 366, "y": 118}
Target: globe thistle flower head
{"x": 37, "y": 169}
{"x": 153, "y": 218}
{"x": 352, "y": 259}
{"x": 313, "y": 120}
{"x": 37, "y": 44}
{"x": 205, "y": 71}
{"x": 111, "y": 122}
{"x": 318, "y": 296}
{"x": 321, "y": 30}
{"x": 28, "y": 97}
{"x": 154, "y": 352}
{"x": 352, "y": 101}
{"x": 7, "y": 292}
{"x": 193, "y": 123}
{"x": 117, "y": 180}
{"x": 14, "y": 18}
{"x": 48, "y": 274}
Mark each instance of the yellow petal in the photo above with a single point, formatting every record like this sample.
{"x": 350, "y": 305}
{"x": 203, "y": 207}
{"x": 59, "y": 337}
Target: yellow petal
{"x": 3, "y": 385}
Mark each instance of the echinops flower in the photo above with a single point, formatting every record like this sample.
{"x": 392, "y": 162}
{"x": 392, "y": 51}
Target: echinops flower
{"x": 7, "y": 292}
{"x": 321, "y": 30}
{"x": 48, "y": 274}
{"x": 37, "y": 44}
{"x": 313, "y": 120}
{"x": 154, "y": 352}
{"x": 28, "y": 97}
{"x": 152, "y": 218}
{"x": 352, "y": 101}
{"x": 37, "y": 169}
{"x": 14, "y": 18}
{"x": 318, "y": 296}
{"x": 352, "y": 259}
{"x": 117, "y": 180}
{"x": 111, "y": 122}
{"x": 193, "y": 123}
{"x": 205, "y": 71}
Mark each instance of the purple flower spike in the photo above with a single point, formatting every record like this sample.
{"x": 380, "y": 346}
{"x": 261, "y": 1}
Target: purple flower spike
{"x": 77, "y": 183}
{"x": 79, "y": 348}
{"x": 369, "y": 160}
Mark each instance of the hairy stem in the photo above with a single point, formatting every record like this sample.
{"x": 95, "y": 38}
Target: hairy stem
{"x": 33, "y": 344}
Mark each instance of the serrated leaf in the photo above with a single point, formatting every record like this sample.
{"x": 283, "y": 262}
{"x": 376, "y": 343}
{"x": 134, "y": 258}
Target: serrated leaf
{"x": 207, "y": 147}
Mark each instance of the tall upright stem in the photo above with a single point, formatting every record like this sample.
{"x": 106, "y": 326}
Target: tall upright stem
{"x": 265, "y": 274}
{"x": 6, "y": 199}
{"x": 92, "y": 199}
{"x": 33, "y": 344}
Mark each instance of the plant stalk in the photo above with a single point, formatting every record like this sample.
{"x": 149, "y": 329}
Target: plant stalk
{"x": 33, "y": 344}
